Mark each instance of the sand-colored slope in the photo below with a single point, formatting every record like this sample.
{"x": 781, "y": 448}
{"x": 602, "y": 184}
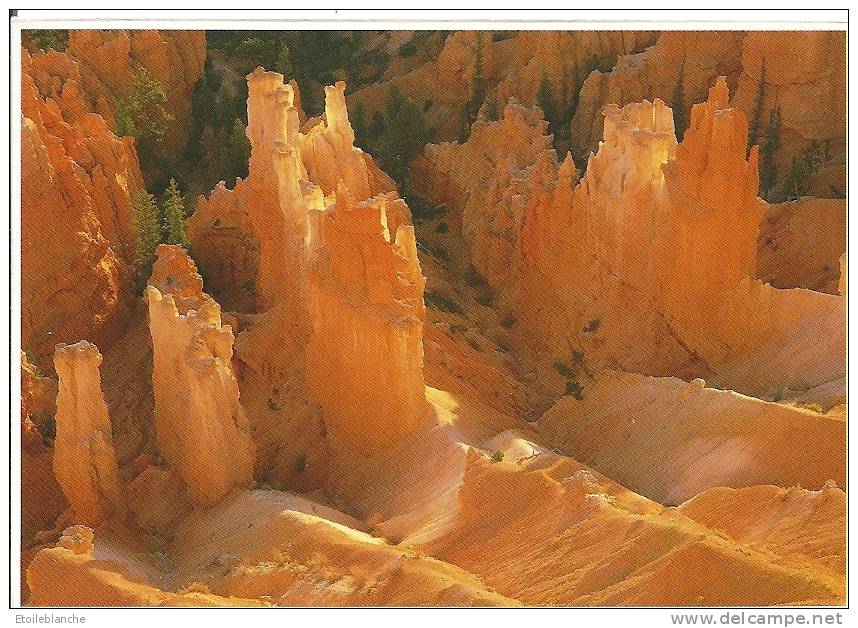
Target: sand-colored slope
{"x": 794, "y": 524}
{"x": 548, "y": 531}
{"x": 800, "y": 244}
{"x": 440, "y": 523}
{"x": 669, "y": 440}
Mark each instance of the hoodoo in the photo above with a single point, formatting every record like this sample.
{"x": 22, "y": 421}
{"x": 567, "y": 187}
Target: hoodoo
{"x": 366, "y": 351}
{"x": 199, "y": 423}
{"x": 84, "y": 459}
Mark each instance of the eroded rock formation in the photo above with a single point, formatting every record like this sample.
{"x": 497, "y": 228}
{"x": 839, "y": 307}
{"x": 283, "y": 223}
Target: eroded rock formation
{"x": 200, "y": 425}
{"x": 96, "y": 69}
{"x": 77, "y": 184}
{"x": 646, "y": 232}
{"x": 366, "y": 351}
{"x": 84, "y": 459}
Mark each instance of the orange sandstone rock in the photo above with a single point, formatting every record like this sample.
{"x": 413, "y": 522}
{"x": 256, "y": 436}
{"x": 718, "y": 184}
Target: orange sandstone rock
{"x": 200, "y": 425}
{"x": 108, "y": 58}
{"x": 84, "y": 459}
{"x": 42, "y": 500}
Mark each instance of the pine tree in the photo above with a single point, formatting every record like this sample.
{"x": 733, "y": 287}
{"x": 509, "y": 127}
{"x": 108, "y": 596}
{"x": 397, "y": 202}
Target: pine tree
{"x": 173, "y": 216}
{"x": 679, "y": 122}
{"x": 767, "y": 153}
{"x": 147, "y": 234}
{"x": 754, "y": 129}
{"x": 124, "y": 123}
{"x": 284, "y": 63}
{"x": 545, "y": 100}
{"x": 406, "y": 133}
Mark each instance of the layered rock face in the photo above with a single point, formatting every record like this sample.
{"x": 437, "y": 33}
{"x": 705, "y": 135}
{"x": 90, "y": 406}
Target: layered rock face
{"x": 77, "y": 180}
{"x": 800, "y": 67}
{"x": 200, "y": 425}
{"x": 84, "y": 459}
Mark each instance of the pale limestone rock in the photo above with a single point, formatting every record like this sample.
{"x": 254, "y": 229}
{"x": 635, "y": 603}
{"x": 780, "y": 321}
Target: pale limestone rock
{"x": 84, "y": 459}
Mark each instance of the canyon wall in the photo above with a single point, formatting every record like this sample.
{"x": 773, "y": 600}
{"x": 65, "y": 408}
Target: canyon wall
{"x": 79, "y": 179}
{"x": 801, "y": 67}
{"x": 102, "y": 62}
{"x": 77, "y": 182}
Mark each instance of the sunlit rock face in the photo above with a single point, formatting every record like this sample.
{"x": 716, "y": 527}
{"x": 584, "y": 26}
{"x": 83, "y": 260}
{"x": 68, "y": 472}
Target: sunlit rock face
{"x": 366, "y": 349}
{"x": 291, "y": 171}
{"x": 337, "y": 268}
{"x": 200, "y": 425}
{"x": 77, "y": 182}
{"x": 84, "y": 460}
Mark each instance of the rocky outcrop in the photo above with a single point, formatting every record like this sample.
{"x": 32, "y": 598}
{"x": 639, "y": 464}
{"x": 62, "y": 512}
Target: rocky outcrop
{"x": 77, "y": 181}
{"x": 490, "y": 182}
{"x": 42, "y": 500}
{"x": 338, "y": 278}
{"x": 84, "y": 459}
{"x": 800, "y": 244}
{"x": 200, "y": 425}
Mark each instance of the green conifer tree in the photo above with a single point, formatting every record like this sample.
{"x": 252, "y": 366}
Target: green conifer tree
{"x": 173, "y": 216}
{"x": 678, "y": 106}
{"x": 147, "y": 234}
{"x": 756, "y": 117}
{"x": 767, "y": 153}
